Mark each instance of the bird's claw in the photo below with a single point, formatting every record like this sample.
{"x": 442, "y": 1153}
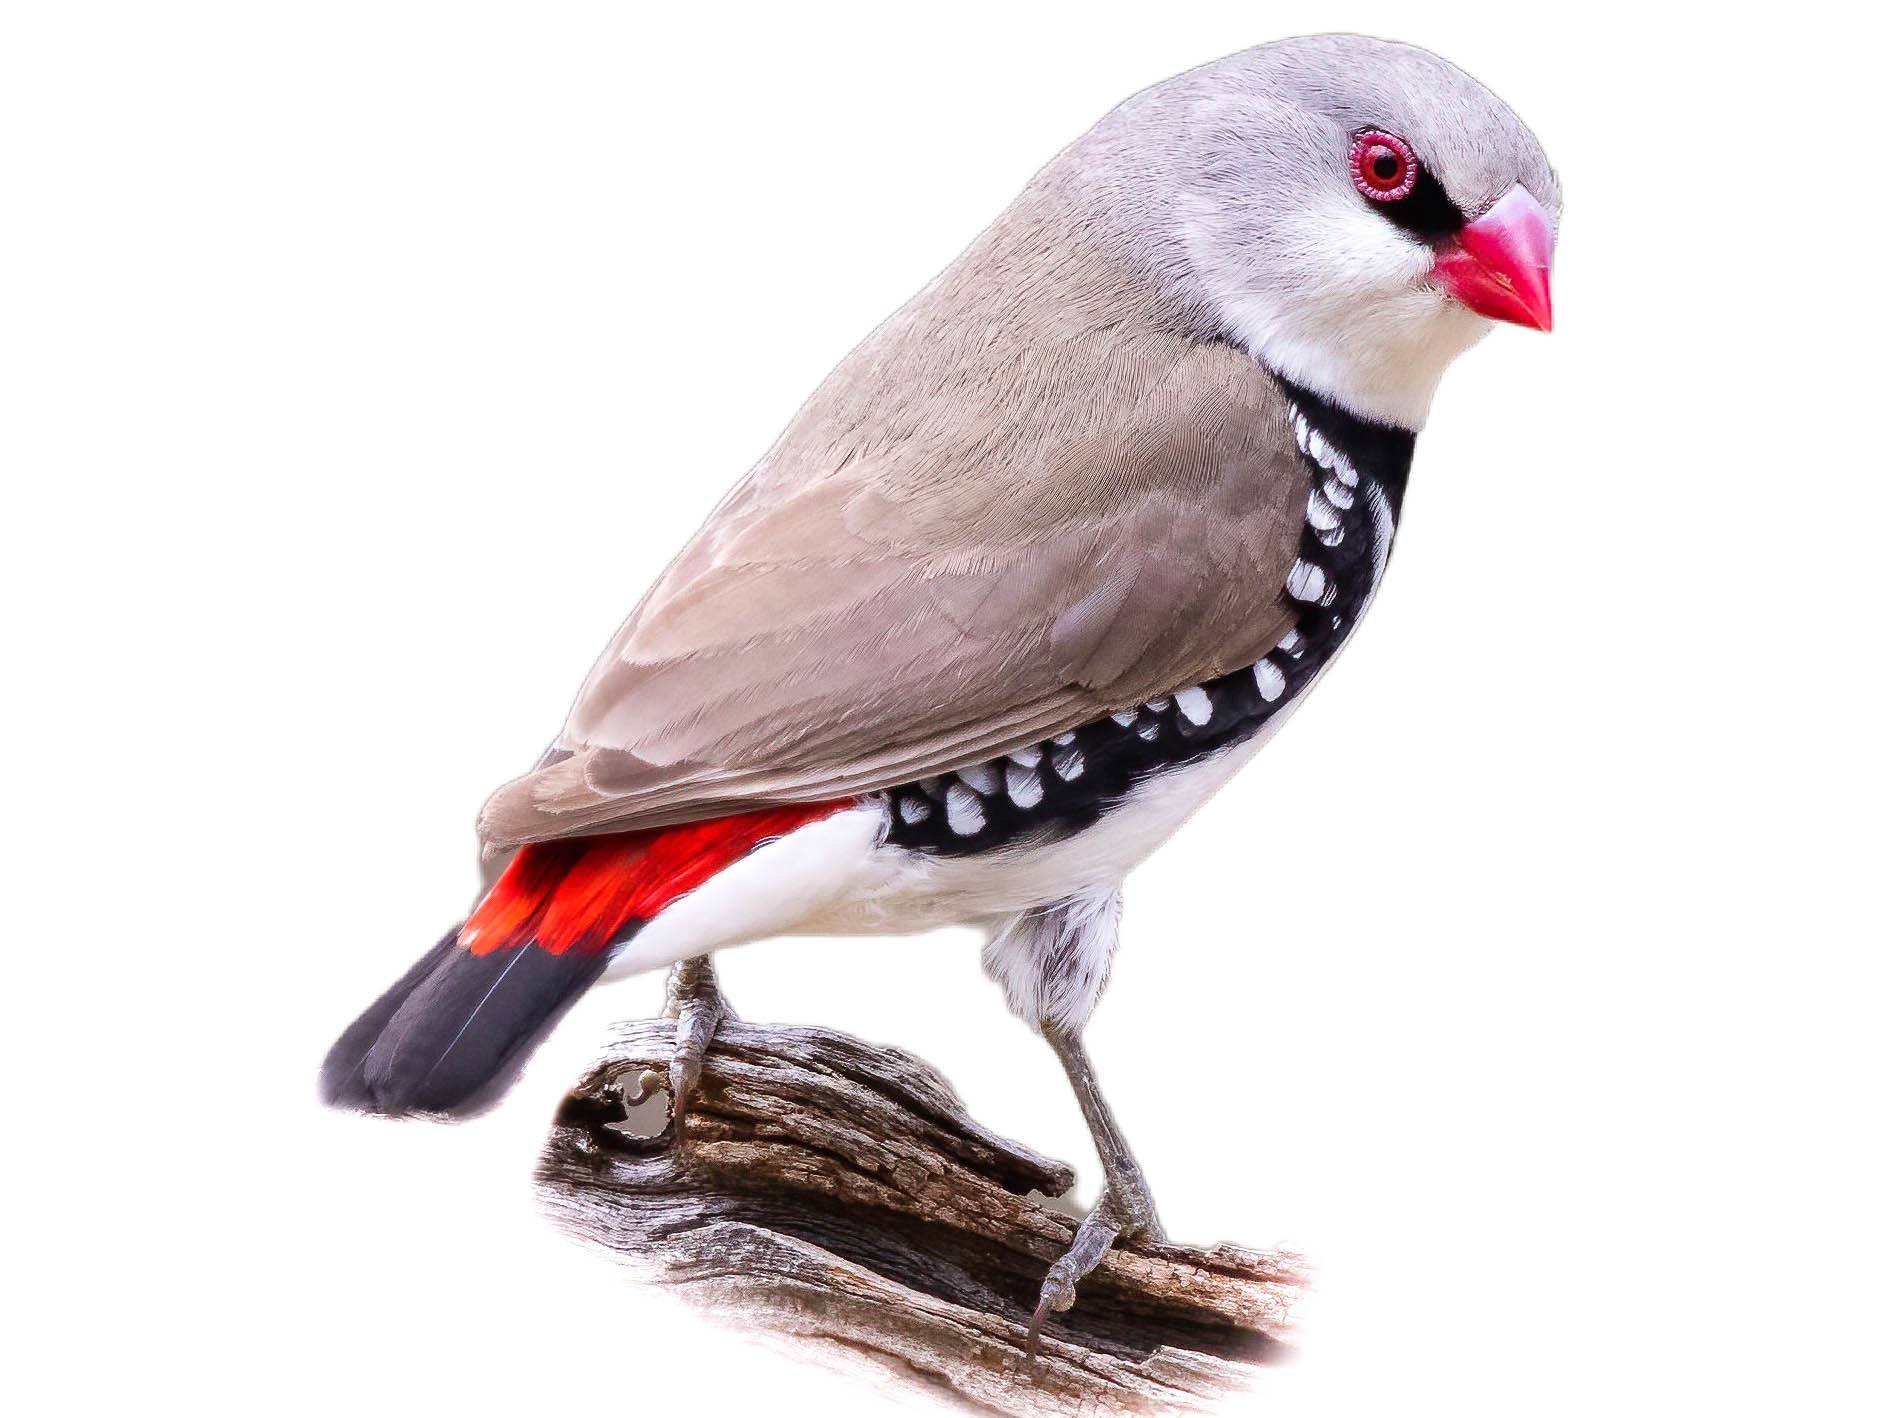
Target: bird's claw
{"x": 1058, "y": 1294}
{"x": 1113, "y": 1218}
{"x": 697, "y": 1005}
{"x": 648, "y": 1082}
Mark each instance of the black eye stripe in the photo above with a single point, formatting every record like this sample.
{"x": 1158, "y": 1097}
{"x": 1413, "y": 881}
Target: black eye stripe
{"x": 1427, "y": 212}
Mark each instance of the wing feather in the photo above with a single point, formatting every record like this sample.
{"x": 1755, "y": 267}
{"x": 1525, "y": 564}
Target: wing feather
{"x": 997, "y": 520}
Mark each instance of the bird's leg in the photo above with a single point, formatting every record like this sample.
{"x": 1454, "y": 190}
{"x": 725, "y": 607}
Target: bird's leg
{"x": 696, "y": 1002}
{"x": 1125, "y": 1210}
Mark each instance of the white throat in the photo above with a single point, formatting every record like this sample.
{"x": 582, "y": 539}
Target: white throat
{"x": 1383, "y": 366}
{"x": 1338, "y": 304}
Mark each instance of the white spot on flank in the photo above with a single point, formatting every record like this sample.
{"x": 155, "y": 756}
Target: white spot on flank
{"x": 1345, "y": 471}
{"x": 1029, "y": 756}
{"x": 1336, "y": 493}
{"x": 964, "y": 813}
{"x": 1195, "y": 705}
{"x": 1025, "y": 787}
{"x": 1306, "y": 582}
{"x": 1381, "y": 531}
{"x": 1293, "y": 643}
{"x": 1125, "y": 718}
{"x": 1156, "y": 706}
{"x": 1300, "y": 430}
{"x": 981, "y": 778}
{"x": 1322, "y": 515}
{"x": 1065, "y": 738}
{"x": 1068, "y": 763}
{"x": 1269, "y": 679}
{"x": 1147, "y": 730}
{"x": 914, "y": 809}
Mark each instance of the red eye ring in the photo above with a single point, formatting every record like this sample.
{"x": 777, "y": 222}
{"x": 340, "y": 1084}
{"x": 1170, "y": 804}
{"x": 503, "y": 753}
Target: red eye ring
{"x": 1384, "y": 167}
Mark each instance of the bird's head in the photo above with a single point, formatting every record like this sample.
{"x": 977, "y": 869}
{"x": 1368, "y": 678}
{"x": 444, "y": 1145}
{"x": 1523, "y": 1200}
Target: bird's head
{"x": 1352, "y": 211}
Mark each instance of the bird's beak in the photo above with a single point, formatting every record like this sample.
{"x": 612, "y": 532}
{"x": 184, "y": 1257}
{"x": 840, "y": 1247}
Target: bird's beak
{"x": 1499, "y": 265}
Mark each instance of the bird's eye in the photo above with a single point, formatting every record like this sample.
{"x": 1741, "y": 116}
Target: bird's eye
{"x": 1384, "y": 168}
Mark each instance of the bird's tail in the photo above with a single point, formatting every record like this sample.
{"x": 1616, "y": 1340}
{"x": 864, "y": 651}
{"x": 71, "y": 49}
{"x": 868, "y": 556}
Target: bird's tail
{"x": 451, "y": 1034}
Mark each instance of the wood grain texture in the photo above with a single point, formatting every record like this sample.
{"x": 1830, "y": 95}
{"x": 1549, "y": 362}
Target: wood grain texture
{"x": 839, "y": 1196}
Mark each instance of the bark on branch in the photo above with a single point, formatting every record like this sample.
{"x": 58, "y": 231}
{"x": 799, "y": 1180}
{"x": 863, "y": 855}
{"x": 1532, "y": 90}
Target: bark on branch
{"x": 840, "y": 1194}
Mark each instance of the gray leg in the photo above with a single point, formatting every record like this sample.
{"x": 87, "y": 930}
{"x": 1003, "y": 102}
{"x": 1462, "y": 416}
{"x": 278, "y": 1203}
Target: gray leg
{"x": 1123, "y": 1179}
{"x": 1053, "y": 962}
{"x": 1125, "y": 1211}
{"x": 696, "y": 1003}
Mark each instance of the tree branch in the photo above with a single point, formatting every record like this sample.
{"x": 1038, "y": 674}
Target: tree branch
{"x": 841, "y": 1195}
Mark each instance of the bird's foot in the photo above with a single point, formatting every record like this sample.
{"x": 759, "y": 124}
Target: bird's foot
{"x": 1124, "y": 1212}
{"x": 699, "y": 1007}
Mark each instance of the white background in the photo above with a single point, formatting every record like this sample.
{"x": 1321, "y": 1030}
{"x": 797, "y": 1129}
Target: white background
{"x": 363, "y": 362}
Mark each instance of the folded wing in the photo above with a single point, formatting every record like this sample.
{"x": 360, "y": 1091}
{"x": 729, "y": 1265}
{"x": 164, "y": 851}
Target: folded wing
{"x": 950, "y": 554}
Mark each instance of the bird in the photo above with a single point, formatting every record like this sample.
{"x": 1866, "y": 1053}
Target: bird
{"x": 1037, "y": 568}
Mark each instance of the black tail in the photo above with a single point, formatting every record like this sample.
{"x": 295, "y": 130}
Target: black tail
{"x": 453, "y": 1031}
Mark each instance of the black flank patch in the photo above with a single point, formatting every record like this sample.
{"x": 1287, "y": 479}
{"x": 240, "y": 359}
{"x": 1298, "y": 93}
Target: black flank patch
{"x": 1061, "y": 788}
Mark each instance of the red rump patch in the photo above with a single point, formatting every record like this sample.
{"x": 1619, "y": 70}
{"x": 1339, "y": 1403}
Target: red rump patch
{"x": 579, "y": 894}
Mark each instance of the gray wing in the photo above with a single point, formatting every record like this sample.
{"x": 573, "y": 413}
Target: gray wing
{"x": 876, "y": 604}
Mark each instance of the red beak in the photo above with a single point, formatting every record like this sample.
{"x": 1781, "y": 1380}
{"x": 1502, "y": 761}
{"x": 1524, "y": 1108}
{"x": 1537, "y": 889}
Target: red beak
{"x": 1499, "y": 265}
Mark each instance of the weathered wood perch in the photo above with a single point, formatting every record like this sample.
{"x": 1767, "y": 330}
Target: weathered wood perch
{"x": 841, "y": 1195}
